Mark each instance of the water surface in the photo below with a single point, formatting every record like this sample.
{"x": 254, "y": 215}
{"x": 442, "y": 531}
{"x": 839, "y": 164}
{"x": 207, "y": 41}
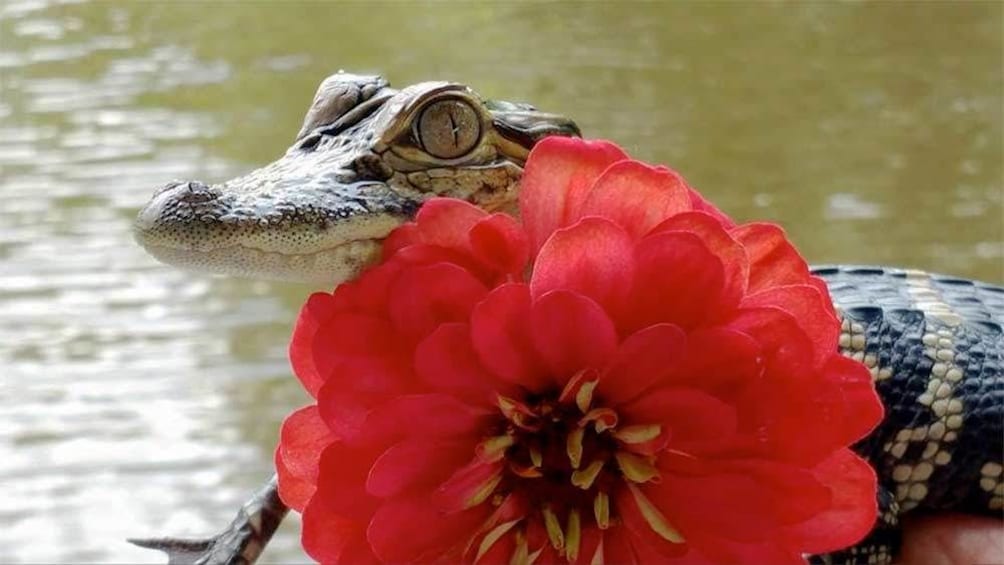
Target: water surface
{"x": 138, "y": 400}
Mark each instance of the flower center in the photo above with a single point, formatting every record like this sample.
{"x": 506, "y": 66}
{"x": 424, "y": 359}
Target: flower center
{"x": 566, "y": 454}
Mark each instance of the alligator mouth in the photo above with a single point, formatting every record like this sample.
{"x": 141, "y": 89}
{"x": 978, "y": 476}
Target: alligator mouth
{"x": 190, "y": 225}
{"x": 325, "y": 266}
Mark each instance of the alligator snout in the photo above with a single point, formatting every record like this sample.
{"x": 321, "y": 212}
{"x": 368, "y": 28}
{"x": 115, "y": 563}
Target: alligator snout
{"x": 264, "y": 224}
{"x": 176, "y": 202}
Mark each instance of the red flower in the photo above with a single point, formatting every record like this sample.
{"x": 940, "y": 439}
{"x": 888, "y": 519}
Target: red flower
{"x": 625, "y": 377}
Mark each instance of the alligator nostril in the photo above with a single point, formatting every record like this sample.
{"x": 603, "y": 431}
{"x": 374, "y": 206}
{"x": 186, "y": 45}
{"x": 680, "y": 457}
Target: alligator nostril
{"x": 196, "y": 192}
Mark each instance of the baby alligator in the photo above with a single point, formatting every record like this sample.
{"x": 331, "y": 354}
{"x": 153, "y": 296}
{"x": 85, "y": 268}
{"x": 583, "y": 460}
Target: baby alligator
{"x": 368, "y": 155}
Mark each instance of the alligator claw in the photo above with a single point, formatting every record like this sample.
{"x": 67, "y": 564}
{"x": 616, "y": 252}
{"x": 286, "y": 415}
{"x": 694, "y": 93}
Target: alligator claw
{"x": 241, "y": 543}
{"x": 180, "y": 550}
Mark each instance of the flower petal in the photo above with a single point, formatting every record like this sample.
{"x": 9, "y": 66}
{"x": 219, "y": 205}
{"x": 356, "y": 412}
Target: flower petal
{"x": 447, "y": 361}
{"x": 425, "y": 297}
{"x": 294, "y": 491}
{"x": 592, "y": 257}
{"x": 499, "y": 242}
{"x": 636, "y": 196}
{"x": 784, "y": 345}
{"x": 392, "y": 531}
{"x": 837, "y": 408}
{"x": 368, "y": 293}
{"x": 341, "y": 484}
{"x": 773, "y": 495}
{"x": 558, "y": 174}
{"x": 428, "y": 416}
{"x": 863, "y": 409}
{"x": 415, "y": 464}
{"x": 698, "y": 203}
{"x": 720, "y": 243}
{"x": 853, "y": 509}
{"x": 834, "y": 407}
{"x": 428, "y": 254}
{"x": 328, "y": 537}
{"x": 500, "y": 332}
{"x": 370, "y": 344}
{"x": 720, "y": 361}
{"x": 571, "y": 332}
{"x": 643, "y": 360}
{"x": 446, "y": 222}
{"x": 617, "y": 549}
{"x": 469, "y": 486}
{"x": 774, "y": 261}
{"x": 712, "y": 550}
{"x": 692, "y": 419}
{"x": 677, "y": 280}
{"x": 813, "y": 311}
{"x": 318, "y": 309}
{"x": 648, "y": 524}
{"x": 302, "y": 438}
{"x": 334, "y": 520}
{"x": 345, "y": 411}
{"x": 403, "y": 236}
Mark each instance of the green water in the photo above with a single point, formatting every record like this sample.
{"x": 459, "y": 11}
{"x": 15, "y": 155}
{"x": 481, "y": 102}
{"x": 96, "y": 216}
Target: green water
{"x": 139, "y": 400}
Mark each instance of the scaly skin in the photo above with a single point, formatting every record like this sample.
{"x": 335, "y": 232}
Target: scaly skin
{"x": 367, "y": 156}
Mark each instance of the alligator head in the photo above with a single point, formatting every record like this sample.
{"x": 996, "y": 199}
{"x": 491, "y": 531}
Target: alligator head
{"x": 365, "y": 159}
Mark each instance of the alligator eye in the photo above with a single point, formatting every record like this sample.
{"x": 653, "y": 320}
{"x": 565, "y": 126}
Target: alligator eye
{"x": 448, "y": 128}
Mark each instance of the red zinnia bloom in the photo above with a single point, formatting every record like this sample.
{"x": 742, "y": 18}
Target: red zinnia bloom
{"x": 624, "y": 377}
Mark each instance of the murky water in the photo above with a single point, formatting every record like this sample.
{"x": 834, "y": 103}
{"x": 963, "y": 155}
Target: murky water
{"x": 137, "y": 400}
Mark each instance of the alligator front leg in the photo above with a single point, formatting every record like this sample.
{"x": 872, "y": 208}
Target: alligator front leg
{"x": 241, "y": 543}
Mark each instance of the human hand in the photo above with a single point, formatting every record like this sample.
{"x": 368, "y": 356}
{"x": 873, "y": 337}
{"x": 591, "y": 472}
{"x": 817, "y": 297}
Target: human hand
{"x": 953, "y": 539}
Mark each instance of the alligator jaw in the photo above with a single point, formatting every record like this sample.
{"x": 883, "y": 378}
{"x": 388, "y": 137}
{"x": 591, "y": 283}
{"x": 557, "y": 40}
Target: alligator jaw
{"x": 320, "y": 234}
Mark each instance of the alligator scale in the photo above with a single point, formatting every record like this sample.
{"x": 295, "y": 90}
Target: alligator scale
{"x": 368, "y": 155}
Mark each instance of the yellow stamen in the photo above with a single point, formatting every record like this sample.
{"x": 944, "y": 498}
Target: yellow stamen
{"x": 493, "y": 536}
{"x": 573, "y": 535}
{"x": 601, "y": 510}
{"x": 635, "y": 468}
{"x": 525, "y": 472}
{"x": 655, "y": 519}
{"x": 536, "y": 457}
{"x": 484, "y": 491}
{"x": 584, "y": 398}
{"x": 506, "y": 405}
{"x": 638, "y": 433}
{"x": 574, "y": 387}
{"x": 584, "y": 478}
{"x": 553, "y": 527}
{"x": 493, "y": 449}
{"x": 573, "y": 446}
{"x": 602, "y": 418}
{"x": 521, "y": 555}
{"x": 518, "y": 413}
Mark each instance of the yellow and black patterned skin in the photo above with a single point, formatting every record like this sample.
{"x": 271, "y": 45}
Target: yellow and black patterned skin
{"x": 935, "y": 347}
